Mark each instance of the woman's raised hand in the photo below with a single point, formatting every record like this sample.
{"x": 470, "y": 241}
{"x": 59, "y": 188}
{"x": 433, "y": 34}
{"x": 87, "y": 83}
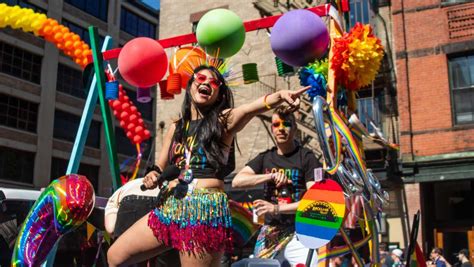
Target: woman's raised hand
{"x": 292, "y": 98}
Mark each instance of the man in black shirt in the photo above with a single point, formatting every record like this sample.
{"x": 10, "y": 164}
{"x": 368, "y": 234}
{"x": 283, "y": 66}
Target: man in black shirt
{"x": 286, "y": 171}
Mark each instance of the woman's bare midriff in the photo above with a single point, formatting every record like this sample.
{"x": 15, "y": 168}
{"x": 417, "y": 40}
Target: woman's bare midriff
{"x": 203, "y": 183}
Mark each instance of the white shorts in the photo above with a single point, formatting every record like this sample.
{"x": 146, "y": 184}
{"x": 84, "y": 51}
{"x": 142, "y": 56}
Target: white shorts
{"x": 295, "y": 253}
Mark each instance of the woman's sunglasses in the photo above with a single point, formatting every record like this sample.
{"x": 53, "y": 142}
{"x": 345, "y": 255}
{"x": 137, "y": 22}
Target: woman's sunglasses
{"x": 201, "y": 78}
{"x": 278, "y": 124}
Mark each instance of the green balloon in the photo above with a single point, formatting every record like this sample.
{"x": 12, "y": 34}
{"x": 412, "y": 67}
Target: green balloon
{"x": 221, "y": 31}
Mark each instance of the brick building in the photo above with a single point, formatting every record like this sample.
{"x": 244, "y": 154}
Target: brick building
{"x": 434, "y": 50}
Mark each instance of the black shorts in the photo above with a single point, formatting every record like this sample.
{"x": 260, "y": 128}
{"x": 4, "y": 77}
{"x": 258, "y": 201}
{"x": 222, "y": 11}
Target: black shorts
{"x": 131, "y": 209}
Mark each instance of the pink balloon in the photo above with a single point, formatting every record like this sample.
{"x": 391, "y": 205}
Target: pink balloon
{"x": 142, "y": 62}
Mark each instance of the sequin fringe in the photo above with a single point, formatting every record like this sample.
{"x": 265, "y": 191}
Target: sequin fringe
{"x": 200, "y": 222}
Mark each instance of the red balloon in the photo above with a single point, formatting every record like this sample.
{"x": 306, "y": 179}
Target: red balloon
{"x": 140, "y": 121}
{"x": 133, "y": 117}
{"x": 129, "y": 135}
{"x": 137, "y": 139}
{"x": 125, "y": 106}
{"x": 146, "y": 134}
{"x": 142, "y": 62}
{"x": 123, "y": 115}
{"x": 122, "y": 123}
{"x": 131, "y": 126}
{"x": 115, "y": 113}
{"x": 133, "y": 109}
{"x": 138, "y": 129}
{"x": 116, "y": 105}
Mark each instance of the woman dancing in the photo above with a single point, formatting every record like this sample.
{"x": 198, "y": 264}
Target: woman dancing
{"x": 193, "y": 214}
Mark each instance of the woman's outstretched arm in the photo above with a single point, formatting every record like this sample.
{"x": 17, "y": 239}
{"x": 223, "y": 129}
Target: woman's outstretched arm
{"x": 240, "y": 116}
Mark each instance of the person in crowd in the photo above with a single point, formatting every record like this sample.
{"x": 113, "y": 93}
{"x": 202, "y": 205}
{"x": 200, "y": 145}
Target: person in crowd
{"x": 437, "y": 259}
{"x": 397, "y": 258}
{"x": 463, "y": 257}
{"x": 286, "y": 171}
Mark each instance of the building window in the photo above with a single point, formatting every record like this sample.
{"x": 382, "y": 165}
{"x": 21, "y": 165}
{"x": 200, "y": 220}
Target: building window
{"x": 18, "y": 113}
{"x": 67, "y": 124}
{"x": 20, "y": 63}
{"x": 360, "y": 12}
{"x": 24, "y": 4}
{"x": 59, "y": 167}
{"x": 70, "y": 81}
{"x": 97, "y": 8}
{"x": 136, "y": 25}
{"x": 146, "y": 109}
{"x": 369, "y": 112}
{"x": 461, "y": 79}
{"x": 16, "y": 165}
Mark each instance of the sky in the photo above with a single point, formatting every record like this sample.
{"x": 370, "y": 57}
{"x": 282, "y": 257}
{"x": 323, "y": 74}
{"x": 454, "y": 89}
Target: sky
{"x": 155, "y": 4}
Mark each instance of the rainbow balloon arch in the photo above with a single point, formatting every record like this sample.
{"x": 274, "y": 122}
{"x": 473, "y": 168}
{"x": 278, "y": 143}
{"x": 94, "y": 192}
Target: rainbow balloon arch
{"x": 352, "y": 62}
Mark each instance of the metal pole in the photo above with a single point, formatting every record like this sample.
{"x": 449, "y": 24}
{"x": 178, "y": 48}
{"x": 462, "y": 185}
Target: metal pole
{"x": 104, "y": 107}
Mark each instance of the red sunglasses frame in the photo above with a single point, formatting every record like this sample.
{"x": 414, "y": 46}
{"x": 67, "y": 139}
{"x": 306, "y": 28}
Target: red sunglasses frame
{"x": 201, "y": 78}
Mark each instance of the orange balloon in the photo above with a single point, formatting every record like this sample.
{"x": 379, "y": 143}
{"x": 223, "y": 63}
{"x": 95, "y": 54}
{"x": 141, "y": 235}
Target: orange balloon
{"x": 65, "y": 29}
{"x": 185, "y": 60}
{"x": 78, "y": 61}
{"x": 85, "y": 46}
{"x": 58, "y": 36}
{"x": 85, "y": 61}
{"x": 47, "y": 30}
{"x": 56, "y": 29}
{"x": 85, "y": 53}
{"x": 59, "y": 46}
{"x": 76, "y": 37}
{"x": 77, "y": 44}
{"x": 68, "y": 44}
{"x": 53, "y": 22}
{"x": 77, "y": 52}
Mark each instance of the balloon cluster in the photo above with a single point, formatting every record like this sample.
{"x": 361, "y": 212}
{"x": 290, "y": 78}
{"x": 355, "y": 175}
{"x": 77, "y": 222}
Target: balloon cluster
{"x": 130, "y": 118}
{"x": 316, "y": 75}
{"x": 70, "y": 43}
{"x": 357, "y": 57}
{"x": 21, "y": 18}
{"x": 63, "y": 206}
{"x": 60, "y": 35}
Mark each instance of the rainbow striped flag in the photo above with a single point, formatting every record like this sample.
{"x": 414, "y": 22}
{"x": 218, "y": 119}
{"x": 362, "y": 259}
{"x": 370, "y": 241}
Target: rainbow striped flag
{"x": 417, "y": 258}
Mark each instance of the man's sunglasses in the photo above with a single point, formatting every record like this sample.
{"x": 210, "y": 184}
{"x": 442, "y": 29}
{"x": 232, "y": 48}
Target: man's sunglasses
{"x": 201, "y": 78}
{"x": 278, "y": 124}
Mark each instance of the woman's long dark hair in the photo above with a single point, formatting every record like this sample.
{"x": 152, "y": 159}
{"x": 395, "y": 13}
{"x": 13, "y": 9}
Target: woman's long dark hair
{"x": 211, "y": 127}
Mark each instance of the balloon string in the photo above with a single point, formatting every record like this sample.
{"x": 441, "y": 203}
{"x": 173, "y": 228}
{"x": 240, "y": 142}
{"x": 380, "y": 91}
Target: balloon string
{"x": 137, "y": 163}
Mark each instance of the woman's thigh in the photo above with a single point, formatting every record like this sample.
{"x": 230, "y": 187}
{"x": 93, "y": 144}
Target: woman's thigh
{"x": 136, "y": 244}
{"x": 200, "y": 260}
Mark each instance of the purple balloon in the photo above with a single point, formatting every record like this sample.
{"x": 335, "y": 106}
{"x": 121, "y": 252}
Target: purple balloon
{"x": 299, "y": 37}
